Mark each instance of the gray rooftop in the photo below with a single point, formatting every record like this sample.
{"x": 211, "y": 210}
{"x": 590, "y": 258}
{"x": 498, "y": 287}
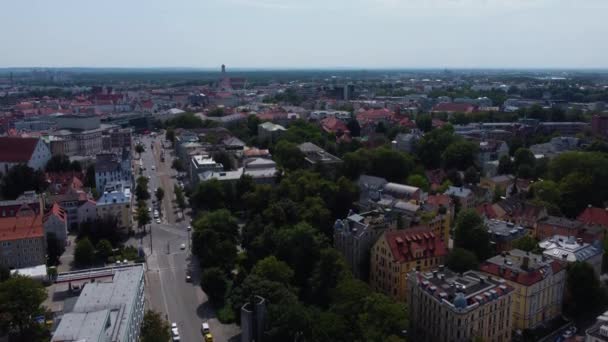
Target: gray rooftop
{"x": 103, "y": 308}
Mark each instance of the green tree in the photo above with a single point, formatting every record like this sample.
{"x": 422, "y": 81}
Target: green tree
{"x": 139, "y": 148}
{"x": 154, "y": 328}
{"x": 89, "y": 177}
{"x": 84, "y": 254}
{"x": 424, "y": 122}
{"x": 288, "y": 155}
{"x": 54, "y": 249}
{"x": 272, "y": 269}
{"x": 354, "y": 127}
{"x": 142, "y": 214}
{"x": 141, "y": 189}
{"x": 20, "y": 300}
{"x": 505, "y": 165}
{"x": 460, "y": 155}
{"x": 21, "y": 178}
{"x": 59, "y": 163}
{"x": 461, "y": 260}
{"x": 585, "y": 292}
{"x": 418, "y": 181}
{"x": 393, "y": 165}
{"x": 528, "y": 244}
{"x": 382, "y": 319}
{"x": 160, "y": 194}
{"x": 524, "y": 156}
{"x": 471, "y": 234}
{"x": 179, "y": 197}
{"x": 215, "y": 284}
{"x": 328, "y": 272}
{"x": 214, "y": 239}
{"x": 170, "y": 135}
{"x": 5, "y": 273}
{"x": 177, "y": 165}
{"x": 209, "y": 195}
{"x": 104, "y": 249}
{"x": 471, "y": 176}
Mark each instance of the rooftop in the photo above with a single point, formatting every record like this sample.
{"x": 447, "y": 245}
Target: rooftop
{"x": 569, "y": 249}
{"x": 103, "y": 307}
{"x": 17, "y": 150}
{"x": 414, "y": 243}
{"x": 521, "y": 267}
{"x": 461, "y": 292}
{"x": 26, "y": 224}
{"x": 315, "y": 155}
{"x": 504, "y": 230}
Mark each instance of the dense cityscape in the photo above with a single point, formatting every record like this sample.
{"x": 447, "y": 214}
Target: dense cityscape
{"x": 319, "y": 205}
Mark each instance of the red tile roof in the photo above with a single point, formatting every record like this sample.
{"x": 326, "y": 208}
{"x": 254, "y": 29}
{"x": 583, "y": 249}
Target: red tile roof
{"x": 333, "y": 125}
{"x": 594, "y": 216}
{"x": 17, "y": 150}
{"x": 406, "y": 244}
{"x": 487, "y": 210}
{"x": 439, "y": 199}
{"x": 375, "y": 115}
{"x": 21, "y": 227}
{"x": 524, "y": 278}
{"x": 56, "y": 210}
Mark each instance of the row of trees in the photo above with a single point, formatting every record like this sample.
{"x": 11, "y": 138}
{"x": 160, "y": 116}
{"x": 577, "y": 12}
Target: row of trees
{"x": 288, "y": 259}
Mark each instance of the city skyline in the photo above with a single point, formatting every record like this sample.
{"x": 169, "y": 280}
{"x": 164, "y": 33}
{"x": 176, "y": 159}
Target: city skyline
{"x": 273, "y": 34}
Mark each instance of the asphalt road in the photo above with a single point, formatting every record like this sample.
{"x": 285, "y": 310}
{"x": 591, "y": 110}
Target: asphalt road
{"x": 166, "y": 288}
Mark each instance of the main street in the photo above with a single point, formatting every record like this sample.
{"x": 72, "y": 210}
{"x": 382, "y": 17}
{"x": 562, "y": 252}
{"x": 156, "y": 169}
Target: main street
{"x": 167, "y": 290}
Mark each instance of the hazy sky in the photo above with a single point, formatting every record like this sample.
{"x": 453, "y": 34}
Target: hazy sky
{"x": 304, "y": 33}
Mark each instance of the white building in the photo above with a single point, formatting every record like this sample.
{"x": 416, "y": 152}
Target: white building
{"x": 109, "y": 309}
{"x": 111, "y": 167}
{"x": 201, "y": 163}
{"x": 32, "y": 152}
{"x": 570, "y": 249}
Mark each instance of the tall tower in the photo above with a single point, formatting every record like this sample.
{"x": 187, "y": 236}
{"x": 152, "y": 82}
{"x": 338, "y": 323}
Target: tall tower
{"x": 223, "y": 69}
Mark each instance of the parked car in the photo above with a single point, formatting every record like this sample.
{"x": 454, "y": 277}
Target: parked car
{"x": 182, "y": 246}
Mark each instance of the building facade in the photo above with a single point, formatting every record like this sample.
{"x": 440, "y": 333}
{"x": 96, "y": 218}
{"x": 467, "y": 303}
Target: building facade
{"x": 22, "y": 240}
{"x": 109, "y": 310}
{"x": 112, "y": 167}
{"x": 355, "y": 235}
{"x": 448, "y": 307}
{"x": 538, "y": 284}
{"x": 32, "y": 152}
{"x": 398, "y": 252}
{"x": 55, "y": 222}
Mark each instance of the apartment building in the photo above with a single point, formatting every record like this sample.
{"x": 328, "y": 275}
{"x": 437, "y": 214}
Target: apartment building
{"x": 32, "y": 152}
{"x": 116, "y": 202}
{"x": 398, "y": 252}
{"x": 22, "y": 240}
{"x": 538, "y": 284}
{"x": 111, "y": 167}
{"x": 449, "y": 307}
{"x": 355, "y": 235}
{"x": 109, "y": 309}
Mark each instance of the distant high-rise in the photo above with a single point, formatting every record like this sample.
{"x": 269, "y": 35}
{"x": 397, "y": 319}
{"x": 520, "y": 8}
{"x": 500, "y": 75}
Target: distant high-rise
{"x": 223, "y": 69}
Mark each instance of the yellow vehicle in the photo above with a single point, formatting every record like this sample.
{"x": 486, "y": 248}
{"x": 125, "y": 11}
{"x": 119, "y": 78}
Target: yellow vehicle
{"x": 206, "y": 332}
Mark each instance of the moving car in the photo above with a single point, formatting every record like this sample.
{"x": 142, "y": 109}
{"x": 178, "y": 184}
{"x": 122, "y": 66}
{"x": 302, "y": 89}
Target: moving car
{"x": 182, "y": 246}
{"x": 206, "y": 332}
{"x": 174, "y": 332}
{"x": 158, "y": 220}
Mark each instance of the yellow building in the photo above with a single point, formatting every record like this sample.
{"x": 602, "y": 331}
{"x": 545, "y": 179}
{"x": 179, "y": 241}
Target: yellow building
{"x": 538, "y": 282}
{"x": 440, "y": 219}
{"x": 398, "y": 252}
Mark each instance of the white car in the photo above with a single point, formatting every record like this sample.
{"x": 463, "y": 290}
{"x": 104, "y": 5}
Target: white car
{"x": 182, "y": 246}
{"x": 158, "y": 220}
{"x": 153, "y": 167}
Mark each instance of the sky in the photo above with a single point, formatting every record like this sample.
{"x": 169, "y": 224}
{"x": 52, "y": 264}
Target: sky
{"x": 305, "y": 33}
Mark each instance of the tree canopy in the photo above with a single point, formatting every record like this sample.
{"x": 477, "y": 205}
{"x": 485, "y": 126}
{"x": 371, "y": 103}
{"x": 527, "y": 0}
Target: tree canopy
{"x": 472, "y": 235}
{"x": 154, "y": 328}
{"x": 21, "y": 178}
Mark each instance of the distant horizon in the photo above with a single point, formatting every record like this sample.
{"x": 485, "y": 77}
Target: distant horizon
{"x": 303, "y": 68}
